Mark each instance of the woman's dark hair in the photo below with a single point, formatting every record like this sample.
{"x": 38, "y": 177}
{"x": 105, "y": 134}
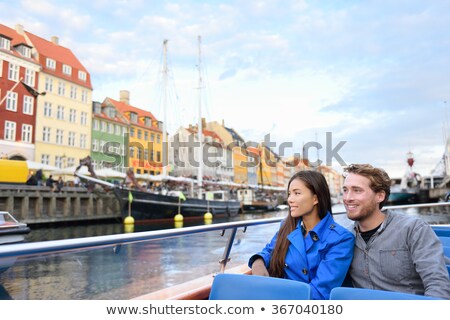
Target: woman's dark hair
{"x": 314, "y": 181}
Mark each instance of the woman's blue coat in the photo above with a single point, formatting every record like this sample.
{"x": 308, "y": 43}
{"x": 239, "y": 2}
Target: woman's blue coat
{"x": 322, "y": 258}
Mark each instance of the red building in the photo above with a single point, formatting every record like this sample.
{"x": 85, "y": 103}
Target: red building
{"x": 18, "y": 95}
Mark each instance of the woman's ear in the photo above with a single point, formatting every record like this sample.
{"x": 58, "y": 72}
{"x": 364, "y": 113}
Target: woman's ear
{"x": 315, "y": 200}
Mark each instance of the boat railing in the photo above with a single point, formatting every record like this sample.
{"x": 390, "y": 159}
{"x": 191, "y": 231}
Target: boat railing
{"x": 116, "y": 240}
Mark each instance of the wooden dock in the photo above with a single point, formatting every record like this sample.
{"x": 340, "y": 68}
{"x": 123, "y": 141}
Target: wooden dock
{"x": 35, "y": 205}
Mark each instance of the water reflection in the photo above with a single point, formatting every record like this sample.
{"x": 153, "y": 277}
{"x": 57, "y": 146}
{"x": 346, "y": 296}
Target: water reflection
{"x": 128, "y": 271}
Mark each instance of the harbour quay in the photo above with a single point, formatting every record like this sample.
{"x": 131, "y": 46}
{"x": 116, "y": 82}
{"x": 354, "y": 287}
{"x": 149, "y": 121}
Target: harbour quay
{"x": 41, "y": 205}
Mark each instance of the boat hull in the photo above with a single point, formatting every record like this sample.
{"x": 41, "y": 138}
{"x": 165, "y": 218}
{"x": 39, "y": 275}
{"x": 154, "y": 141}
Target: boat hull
{"x": 150, "y": 206}
{"x": 259, "y": 207}
{"x": 397, "y": 198}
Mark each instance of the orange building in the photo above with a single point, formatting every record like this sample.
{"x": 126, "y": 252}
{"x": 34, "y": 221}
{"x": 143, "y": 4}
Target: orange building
{"x": 145, "y": 143}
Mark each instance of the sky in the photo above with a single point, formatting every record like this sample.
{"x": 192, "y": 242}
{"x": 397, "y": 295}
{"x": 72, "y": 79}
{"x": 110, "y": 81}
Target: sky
{"x": 355, "y": 81}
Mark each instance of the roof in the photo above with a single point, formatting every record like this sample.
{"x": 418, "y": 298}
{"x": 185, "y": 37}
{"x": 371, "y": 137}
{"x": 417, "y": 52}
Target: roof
{"x": 63, "y": 55}
{"x": 16, "y": 39}
{"x": 234, "y": 134}
{"x": 206, "y": 133}
{"x": 123, "y": 107}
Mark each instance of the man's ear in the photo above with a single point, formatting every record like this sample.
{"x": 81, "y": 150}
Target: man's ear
{"x": 381, "y": 195}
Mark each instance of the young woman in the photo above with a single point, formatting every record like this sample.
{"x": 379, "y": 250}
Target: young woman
{"x": 310, "y": 246}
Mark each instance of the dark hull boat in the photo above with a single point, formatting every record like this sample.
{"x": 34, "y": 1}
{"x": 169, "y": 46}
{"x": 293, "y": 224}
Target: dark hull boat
{"x": 399, "y": 198}
{"x": 151, "y": 206}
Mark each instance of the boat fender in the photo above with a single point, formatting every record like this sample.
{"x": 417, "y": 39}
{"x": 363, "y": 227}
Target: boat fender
{"x": 178, "y": 217}
{"x": 208, "y": 216}
{"x": 128, "y": 220}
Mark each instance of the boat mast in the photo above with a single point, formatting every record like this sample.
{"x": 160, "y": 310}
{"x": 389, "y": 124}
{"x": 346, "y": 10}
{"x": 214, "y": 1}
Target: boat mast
{"x": 200, "y": 124}
{"x": 164, "y": 140}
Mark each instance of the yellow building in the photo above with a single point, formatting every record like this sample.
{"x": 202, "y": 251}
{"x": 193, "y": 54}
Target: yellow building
{"x": 145, "y": 143}
{"x": 232, "y": 140}
{"x": 64, "y": 114}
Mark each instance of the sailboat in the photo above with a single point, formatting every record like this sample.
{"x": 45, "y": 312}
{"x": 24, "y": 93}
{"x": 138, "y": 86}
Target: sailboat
{"x": 146, "y": 205}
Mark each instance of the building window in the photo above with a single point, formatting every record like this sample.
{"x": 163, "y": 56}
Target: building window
{"x": 61, "y": 88}
{"x": 10, "y": 131}
{"x": 96, "y": 124}
{"x": 83, "y": 140}
{"x": 13, "y": 72}
{"x": 131, "y": 132}
{"x": 67, "y": 69}
{"x": 59, "y": 136}
{"x": 118, "y": 130}
{"x": 28, "y": 105}
{"x": 158, "y": 156}
{"x": 60, "y": 113}
{"x": 29, "y": 77}
{"x": 45, "y": 159}
{"x": 70, "y": 162}
{"x": 71, "y": 140}
{"x": 84, "y": 96}
{"x": 46, "y": 134}
{"x": 73, "y": 92}
{"x": 47, "y": 109}
{"x": 24, "y": 50}
{"x": 5, "y": 43}
{"x": 27, "y": 131}
{"x": 50, "y": 63}
{"x": 110, "y": 128}
{"x": 82, "y": 75}
{"x": 133, "y": 117}
{"x": 131, "y": 152}
{"x": 103, "y": 126}
{"x": 94, "y": 145}
{"x": 84, "y": 118}
{"x": 48, "y": 84}
{"x": 11, "y": 101}
{"x": 59, "y": 161}
{"x": 139, "y": 134}
{"x": 73, "y": 115}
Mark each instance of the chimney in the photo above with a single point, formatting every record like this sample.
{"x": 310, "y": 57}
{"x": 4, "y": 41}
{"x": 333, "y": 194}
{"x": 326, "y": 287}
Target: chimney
{"x": 125, "y": 96}
{"x": 19, "y": 29}
{"x": 203, "y": 123}
{"x": 55, "y": 40}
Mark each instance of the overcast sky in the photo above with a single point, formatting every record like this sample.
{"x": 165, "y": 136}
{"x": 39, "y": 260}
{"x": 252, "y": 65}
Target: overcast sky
{"x": 375, "y": 74}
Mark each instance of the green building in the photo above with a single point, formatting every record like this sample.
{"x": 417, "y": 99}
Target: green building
{"x": 109, "y": 138}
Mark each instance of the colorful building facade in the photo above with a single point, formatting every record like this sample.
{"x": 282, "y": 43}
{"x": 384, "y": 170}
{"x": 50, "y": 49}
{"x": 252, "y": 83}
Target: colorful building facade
{"x": 18, "y": 95}
{"x": 109, "y": 137}
{"x": 145, "y": 136}
{"x": 64, "y": 114}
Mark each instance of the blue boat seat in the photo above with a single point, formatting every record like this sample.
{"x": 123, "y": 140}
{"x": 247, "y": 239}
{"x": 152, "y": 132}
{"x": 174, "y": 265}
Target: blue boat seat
{"x": 441, "y": 231}
{"x": 227, "y": 286}
{"x": 445, "y": 241}
{"x": 447, "y": 251}
{"x": 345, "y": 293}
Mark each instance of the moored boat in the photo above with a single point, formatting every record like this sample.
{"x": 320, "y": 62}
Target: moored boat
{"x": 11, "y": 230}
{"x": 151, "y": 206}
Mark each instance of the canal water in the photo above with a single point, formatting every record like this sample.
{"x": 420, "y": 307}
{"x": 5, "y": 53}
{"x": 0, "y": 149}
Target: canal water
{"x": 132, "y": 270}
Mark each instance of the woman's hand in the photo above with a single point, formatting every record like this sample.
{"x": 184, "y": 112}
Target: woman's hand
{"x": 259, "y": 268}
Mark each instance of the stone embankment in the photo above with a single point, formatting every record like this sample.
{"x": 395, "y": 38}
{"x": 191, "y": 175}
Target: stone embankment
{"x": 33, "y": 205}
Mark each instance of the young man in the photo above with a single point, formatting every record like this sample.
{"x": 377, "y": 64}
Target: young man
{"x": 393, "y": 251}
